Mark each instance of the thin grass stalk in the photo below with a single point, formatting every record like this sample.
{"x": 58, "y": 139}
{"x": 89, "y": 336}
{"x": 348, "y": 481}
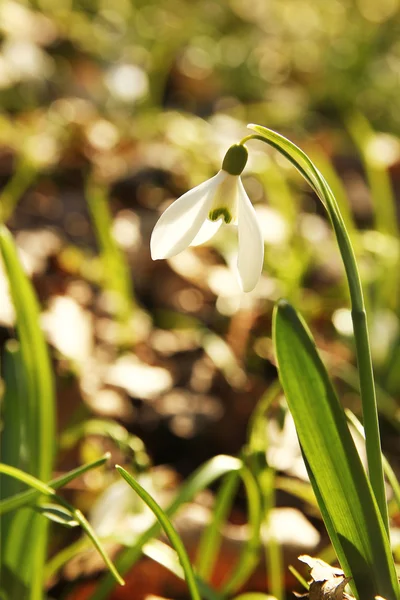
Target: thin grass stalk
{"x": 273, "y": 554}
{"x": 25, "y": 498}
{"x": 249, "y": 555}
{"x": 384, "y": 206}
{"x": 22, "y": 178}
{"x": 339, "y": 191}
{"x": 265, "y": 476}
{"x": 210, "y": 541}
{"x": 117, "y": 277}
{"x": 387, "y": 469}
{"x": 382, "y": 194}
{"x": 43, "y": 489}
{"x": 169, "y": 530}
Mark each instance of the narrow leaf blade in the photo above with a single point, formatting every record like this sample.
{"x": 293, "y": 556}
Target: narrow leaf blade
{"x": 347, "y": 503}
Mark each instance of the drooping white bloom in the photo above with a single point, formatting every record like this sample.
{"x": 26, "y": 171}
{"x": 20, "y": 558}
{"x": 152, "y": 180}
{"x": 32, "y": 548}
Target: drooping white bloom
{"x": 197, "y": 215}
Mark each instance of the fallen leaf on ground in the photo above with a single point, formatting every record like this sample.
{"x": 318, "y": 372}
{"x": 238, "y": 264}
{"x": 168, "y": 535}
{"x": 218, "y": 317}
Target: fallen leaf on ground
{"x": 327, "y": 583}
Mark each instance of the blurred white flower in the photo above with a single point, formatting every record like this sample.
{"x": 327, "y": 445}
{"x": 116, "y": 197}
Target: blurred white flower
{"x": 197, "y": 215}
{"x": 127, "y": 82}
{"x": 26, "y": 60}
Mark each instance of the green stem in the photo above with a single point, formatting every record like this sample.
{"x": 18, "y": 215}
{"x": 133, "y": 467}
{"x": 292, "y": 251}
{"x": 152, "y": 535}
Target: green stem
{"x": 61, "y": 558}
{"x": 390, "y": 474}
{"x": 117, "y": 277}
{"x": 26, "y": 478}
{"x": 29, "y": 496}
{"x": 24, "y": 175}
{"x": 265, "y": 477}
{"x": 367, "y": 385}
{"x": 210, "y": 541}
{"x": 169, "y": 530}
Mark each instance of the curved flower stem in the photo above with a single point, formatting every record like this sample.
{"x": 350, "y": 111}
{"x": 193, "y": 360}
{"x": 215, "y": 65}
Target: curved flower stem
{"x": 367, "y": 387}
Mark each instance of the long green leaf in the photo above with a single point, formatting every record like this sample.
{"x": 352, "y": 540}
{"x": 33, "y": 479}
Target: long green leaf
{"x": 36, "y": 361}
{"x": 74, "y": 513}
{"x": 387, "y": 469}
{"x": 25, "y": 498}
{"x": 26, "y": 478}
{"x": 346, "y": 500}
{"x": 25, "y": 564}
{"x": 12, "y": 442}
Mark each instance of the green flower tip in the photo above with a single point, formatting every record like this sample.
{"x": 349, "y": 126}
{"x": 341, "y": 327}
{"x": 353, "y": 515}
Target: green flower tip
{"x": 235, "y": 159}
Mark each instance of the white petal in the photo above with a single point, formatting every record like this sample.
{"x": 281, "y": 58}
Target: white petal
{"x": 207, "y": 231}
{"x": 180, "y": 223}
{"x": 251, "y": 244}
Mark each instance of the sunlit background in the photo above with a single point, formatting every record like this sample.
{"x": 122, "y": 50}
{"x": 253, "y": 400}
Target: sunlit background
{"x": 111, "y": 110}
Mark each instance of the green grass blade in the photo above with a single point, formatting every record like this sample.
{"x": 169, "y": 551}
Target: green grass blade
{"x": 74, "y": 513}
{"x": 301, "y": 490}
{"x": 127, "y": 442}
{"x": 57, "y": 561}
{"x": 117, "y": 278}
{"x": 57, "y": 514}
{"x": 167, "y": 557}
{"x": 25, "y": 498}
{"x": 169, "y": 530}
{"x": 341, "y": 486}
{"x": 249, "y": 556}
{"x": 387, "y": 469}
{"x": 265, "y": 476}
{"x": 26, "y": 478}
{"x": 207, "y": 474}
{"x": 210, "y": 540}
{"x": 24, "y": 547}
{"x": 25, "y": 174}
{"x": 382, "y": 194}
{"x": 383, "y": 199}
{"x": 299, "y": 577}
{"x": 22, "y": 556}
{"x": 87, "y": 528}
{"x": 335, "y": 183}
{"x": 39, "y": 412}
{"x": 73, "y": 550}
{"x": 36, "y": 361}
{"x": 11, "y": 440}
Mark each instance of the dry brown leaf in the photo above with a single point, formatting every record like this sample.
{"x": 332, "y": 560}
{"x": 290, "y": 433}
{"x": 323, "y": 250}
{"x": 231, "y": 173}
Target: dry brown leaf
{"x": 327, "y": 583}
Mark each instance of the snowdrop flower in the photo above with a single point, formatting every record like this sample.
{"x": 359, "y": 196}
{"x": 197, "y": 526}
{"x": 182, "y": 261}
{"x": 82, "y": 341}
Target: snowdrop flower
{"x": 197, "y": 215}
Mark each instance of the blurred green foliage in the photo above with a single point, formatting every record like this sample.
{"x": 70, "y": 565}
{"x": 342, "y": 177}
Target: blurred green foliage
{"x": 299, "y": 62}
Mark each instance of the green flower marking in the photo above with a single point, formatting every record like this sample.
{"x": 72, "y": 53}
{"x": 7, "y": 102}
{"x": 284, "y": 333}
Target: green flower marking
{"x": 217, "y": 213}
